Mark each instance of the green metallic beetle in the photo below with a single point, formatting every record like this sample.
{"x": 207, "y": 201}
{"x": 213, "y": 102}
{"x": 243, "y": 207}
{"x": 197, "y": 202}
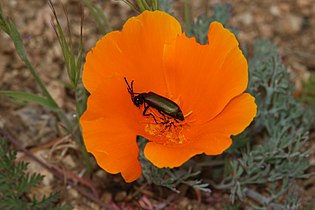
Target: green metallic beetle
{"x": 163, "y": 105}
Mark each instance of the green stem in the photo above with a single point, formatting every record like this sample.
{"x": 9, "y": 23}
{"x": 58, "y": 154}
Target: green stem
{"x": 86, "y": 156}
{"x": 156, "y": 5}
{"x": 187, "y": 15}
{"x": 96, "y": 16}
{"x": 140, "y": 5}
{"x": 79, "y": 137}
{"x": 146, "y": 5}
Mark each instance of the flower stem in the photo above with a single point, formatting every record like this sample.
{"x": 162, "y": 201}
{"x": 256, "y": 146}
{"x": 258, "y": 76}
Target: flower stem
{"x": 187, "y": 14}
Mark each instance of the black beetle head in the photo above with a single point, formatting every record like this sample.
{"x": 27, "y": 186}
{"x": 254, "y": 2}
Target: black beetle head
{"x": 137, "y": 100}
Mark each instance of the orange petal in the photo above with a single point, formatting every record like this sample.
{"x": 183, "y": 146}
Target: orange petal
{"x": 136, "y": 52}
{"x": 213, "y": 144}
{"x": 206, "y": 77}
{"x": 101, "y": 60}
{"x": 235, "y": 117}
{"x": 164, "y": 156}
{"x": 110, "y": 126}
{"x": 213, "y": 138}
{"x": 113, "y": 146}
{"x": 112, "y": 100}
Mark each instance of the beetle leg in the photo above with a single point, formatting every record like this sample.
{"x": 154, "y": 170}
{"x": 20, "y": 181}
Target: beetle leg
{"x": 144, "y": 113}
{"x": 164, "y": 117}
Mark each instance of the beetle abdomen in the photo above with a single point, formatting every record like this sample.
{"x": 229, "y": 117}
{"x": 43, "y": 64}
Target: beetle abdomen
{"x": 164, "y": 105}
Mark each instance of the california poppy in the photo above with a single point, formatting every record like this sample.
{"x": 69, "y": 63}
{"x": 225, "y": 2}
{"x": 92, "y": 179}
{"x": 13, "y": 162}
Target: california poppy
{"x": 207, "y": 82}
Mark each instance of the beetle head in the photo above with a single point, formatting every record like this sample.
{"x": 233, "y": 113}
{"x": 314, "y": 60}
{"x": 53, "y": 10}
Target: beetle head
{"x": 137, "y": 100}
{"x": 130, "y": 89}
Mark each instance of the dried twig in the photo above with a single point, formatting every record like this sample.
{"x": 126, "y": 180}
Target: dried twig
{"x": 263, "y": 200}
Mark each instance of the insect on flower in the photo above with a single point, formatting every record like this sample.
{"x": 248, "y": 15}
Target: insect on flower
{"x": 188, "y": 98}
{"x": 164, "y": 105}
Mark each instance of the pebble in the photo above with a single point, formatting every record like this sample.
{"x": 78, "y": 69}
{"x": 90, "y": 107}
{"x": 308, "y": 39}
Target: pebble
{"x": 275, "y": 10}
{"x": 245, "y": 18}
{"x": 289, "y": 24}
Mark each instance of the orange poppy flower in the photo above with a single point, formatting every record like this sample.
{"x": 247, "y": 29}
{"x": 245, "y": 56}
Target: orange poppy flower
{"x": 205, "y": 81}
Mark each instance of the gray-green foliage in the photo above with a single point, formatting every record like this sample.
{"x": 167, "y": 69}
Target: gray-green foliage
{"x": 99, "y": 16}
{"x": 271, "y": 155}
{"x": 173, "y": 178}
{"x": 275, "y": 154}
{"x": 169, "y": 178}
{"x": 200, "y": 27}
{"x": 166, "y": 5}
{"x": 16, "y": 184}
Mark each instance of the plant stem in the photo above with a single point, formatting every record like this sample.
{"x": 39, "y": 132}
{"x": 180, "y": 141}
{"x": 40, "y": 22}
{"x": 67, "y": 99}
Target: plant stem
{"x": 267, "y": 202}
{"x": 187, "y": 15}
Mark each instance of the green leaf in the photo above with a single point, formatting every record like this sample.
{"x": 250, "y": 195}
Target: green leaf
{"x": 72, "y": 59}
{"x": 166, "y": 6}
{"x": 29, "y": 97}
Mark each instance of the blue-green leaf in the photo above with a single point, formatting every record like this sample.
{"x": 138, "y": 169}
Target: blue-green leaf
{"x": 29, "y": 97}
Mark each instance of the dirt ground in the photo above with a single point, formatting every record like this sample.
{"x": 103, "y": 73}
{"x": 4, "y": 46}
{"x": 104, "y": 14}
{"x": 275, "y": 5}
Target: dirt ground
{"x": 290, "y": 24}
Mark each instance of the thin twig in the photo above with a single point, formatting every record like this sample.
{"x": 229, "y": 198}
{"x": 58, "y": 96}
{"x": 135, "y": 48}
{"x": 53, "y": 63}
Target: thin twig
{"x": 262, "y": 200}
{"x": 60, "y": 174}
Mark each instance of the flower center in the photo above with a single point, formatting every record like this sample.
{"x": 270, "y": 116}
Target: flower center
{"x": 166, "y": 130}
{"x": 167, "y": 133}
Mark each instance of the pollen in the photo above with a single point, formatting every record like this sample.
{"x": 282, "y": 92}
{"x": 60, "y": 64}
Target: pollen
{"x": 170, "y": 133}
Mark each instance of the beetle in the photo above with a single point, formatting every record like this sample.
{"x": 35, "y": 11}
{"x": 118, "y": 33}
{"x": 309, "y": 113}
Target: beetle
{"x": 162, "y": 104}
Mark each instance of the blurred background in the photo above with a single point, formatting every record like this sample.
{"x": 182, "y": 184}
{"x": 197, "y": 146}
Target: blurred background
{"x": 289, "y": 24}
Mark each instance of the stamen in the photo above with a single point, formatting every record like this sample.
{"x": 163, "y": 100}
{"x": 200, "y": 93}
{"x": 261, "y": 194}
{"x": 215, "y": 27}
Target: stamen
{"x": 188, "y": 114}
{"x": 166, "y": 130}
{"x": 169, "y": 133}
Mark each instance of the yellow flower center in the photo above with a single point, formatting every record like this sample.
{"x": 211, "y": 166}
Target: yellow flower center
{"x": 166, "y": 130}
{"x": 169, "y": 133}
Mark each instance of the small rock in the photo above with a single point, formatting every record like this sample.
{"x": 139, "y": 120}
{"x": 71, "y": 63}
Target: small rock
{"x": 73, "y": 193}
{"x": 69, "y": 161}
{"x": 275, "y": 10}
{"x": 285, "y": 7}
{"x": 245, "y": 18}
{"x": 266, "y": 30}
{"x": 120, "y": 196}
{"x": 183, "y": 203}
{"x": 107, "y": 197}
{"x": 38, "y": 125}
{"x": 304, "y": 3}
{"x": 289, "y": 24}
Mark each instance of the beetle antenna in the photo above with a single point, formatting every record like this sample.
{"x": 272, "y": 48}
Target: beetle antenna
{"x": 131, "y": 84}
{"x": 129, "y": 88}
